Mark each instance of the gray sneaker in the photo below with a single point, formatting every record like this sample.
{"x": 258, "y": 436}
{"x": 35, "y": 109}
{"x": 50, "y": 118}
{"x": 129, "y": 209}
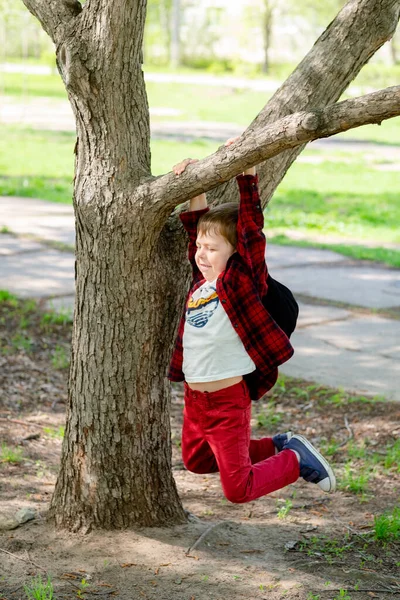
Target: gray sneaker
{"x": 313, "y": 466}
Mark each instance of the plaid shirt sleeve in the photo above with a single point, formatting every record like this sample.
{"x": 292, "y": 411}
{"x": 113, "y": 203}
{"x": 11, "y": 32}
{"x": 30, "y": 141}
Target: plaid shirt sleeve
{"x": 251, "y": 239}
{"x": 189, "y": 221}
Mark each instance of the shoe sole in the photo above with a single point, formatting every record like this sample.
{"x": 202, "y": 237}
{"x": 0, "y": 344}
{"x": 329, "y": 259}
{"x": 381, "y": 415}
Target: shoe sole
{"x": 324, "y": 462}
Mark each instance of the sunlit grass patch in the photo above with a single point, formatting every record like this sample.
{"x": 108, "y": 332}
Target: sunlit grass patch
{"x": 54, "y": 432}
{"x": 24, "y": 85}
{"x": 22, "y": 341}
{"x": 266, "y": 415}
{"x": 392, "y": 457}
{"x": 60, "y": 358}
{"x": 38, "y": 589}
{"x": 387, "y": 526}
{"x": 51, "y": 317}
{"x": 355, "y": 480}
{"x": 6, "y": 296}
{"x": 10, "y": 455}
{"x": 43, "y": 188}
{"x": 25, "y": 173}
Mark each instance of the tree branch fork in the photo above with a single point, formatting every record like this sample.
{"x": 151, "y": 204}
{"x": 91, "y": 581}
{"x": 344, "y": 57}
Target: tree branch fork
{"x": 256, "y": 146}
{"x": 54, "y": 15}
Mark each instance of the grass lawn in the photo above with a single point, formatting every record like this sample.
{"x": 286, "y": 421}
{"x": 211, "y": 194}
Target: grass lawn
{"x": 36, "y": 163}
{"x": 193, "y": 102}
{"x": 348, "y": 197}
{"x": 387, "y": 133}
{"x": 202, "y": 103}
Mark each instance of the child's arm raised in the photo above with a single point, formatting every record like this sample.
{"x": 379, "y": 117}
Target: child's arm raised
{"x": 197, "y": 207}
{"x": 250, "y": 237}
{"x": 198, "y": 202}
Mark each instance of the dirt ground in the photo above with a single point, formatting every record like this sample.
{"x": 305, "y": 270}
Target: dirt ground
{"x": 296, "y": 543}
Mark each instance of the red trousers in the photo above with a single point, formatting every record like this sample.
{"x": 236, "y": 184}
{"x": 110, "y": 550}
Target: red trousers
{"x": 216, "y": 437}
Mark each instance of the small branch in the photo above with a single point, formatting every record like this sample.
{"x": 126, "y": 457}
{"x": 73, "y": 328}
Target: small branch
{"x": 353, "y": 591}
{"x": 32, "y": 436}
{"x": 24, "y": 423}
{"x": 353, "y": 531}
{"x": 201, "y": 538}
{"x": 254, "y": 147}
{"x": 23, "y": 559}
{"x": 349, "y": 429}
{"x": 322, "y": 501}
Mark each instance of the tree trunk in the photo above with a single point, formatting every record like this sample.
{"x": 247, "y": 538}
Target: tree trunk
{"x": 175, "y": 52}
{"x": 116, "y": 459}
{"x": 394, "y": 51}
{"x": 267, "y": 34}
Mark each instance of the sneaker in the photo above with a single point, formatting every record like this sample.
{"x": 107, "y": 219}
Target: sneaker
{"x": 313, "y": 466}
{"x": 280, "y": 439}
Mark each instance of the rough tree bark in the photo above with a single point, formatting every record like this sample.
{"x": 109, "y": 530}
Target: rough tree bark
{"x": 116, "y": 459}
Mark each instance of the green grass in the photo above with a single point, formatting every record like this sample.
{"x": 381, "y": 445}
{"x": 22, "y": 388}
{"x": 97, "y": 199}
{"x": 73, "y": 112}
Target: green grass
{"x": 166, "y": 153}
{"x": 194, "y": 102}
{"x": 50, "y": 318}
{"x": 392, "y": 457}
{"x": 54, "y": 433}
{"x": 38, "y": 589}
{"x": 25, "y": 85}
{"x": 388, "y": 133}
{"x": 202, "y": 103}
{"x": 21, "y": 341}
{"x": 266, "y": 415}
{"x": 345, "y": 198}
{"x": 387, "y": 526}
{"x": 36, "y": 163}
{"x": 355, "y": 480}
{"x": 60, "y": 358}
{"x": 6, "y": 296}
{"x": 284, "y": 510}
{"x": 221, "y": 104}
{"x": 10, "y": 455}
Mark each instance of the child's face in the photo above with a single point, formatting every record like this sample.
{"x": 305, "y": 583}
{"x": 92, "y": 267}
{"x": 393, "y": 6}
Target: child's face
{"x": 213, "y": 251}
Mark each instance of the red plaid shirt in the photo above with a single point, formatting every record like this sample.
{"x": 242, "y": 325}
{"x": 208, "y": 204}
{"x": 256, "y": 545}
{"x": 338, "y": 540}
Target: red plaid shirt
{"x": 240, "y": 289}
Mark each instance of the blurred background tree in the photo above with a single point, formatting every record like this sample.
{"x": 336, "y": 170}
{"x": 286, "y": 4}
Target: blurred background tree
{"x": 247, "y": 37}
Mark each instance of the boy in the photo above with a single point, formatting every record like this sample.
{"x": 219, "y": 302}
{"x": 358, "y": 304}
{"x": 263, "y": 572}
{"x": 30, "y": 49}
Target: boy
{"x": 227, "y": 351}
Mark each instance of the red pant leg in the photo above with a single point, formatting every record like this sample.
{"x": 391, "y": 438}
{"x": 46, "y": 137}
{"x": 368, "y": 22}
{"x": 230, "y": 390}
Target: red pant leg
{"x": 261, "y": 449}
{"x": 196, "y": 452}
{"x": 224, "y": 420}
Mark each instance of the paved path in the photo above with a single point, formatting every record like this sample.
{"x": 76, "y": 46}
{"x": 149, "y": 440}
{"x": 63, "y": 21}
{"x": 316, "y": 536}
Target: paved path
{"x": 342, "y": 340}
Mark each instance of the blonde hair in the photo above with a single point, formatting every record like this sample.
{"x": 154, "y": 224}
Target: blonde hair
{"x": 221, "y": 220}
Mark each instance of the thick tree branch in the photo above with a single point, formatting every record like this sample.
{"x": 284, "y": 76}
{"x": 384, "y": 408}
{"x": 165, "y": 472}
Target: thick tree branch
{"x": 270, "y": 140}
{"x": 358, "y": 31}
{"x": 54, "y": 15}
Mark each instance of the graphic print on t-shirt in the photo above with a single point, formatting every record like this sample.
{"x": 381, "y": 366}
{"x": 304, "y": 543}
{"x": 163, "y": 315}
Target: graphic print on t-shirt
{"x": 202, "y": 305}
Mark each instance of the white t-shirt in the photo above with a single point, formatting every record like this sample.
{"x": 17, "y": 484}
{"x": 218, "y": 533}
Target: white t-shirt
{"x": 212, "y": 350}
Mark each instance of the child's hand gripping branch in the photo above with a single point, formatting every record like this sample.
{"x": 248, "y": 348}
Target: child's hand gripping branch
{"x": 198, "y": 202}
{"x": 227, "y": 351}
{"x": 232, "y": 140}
